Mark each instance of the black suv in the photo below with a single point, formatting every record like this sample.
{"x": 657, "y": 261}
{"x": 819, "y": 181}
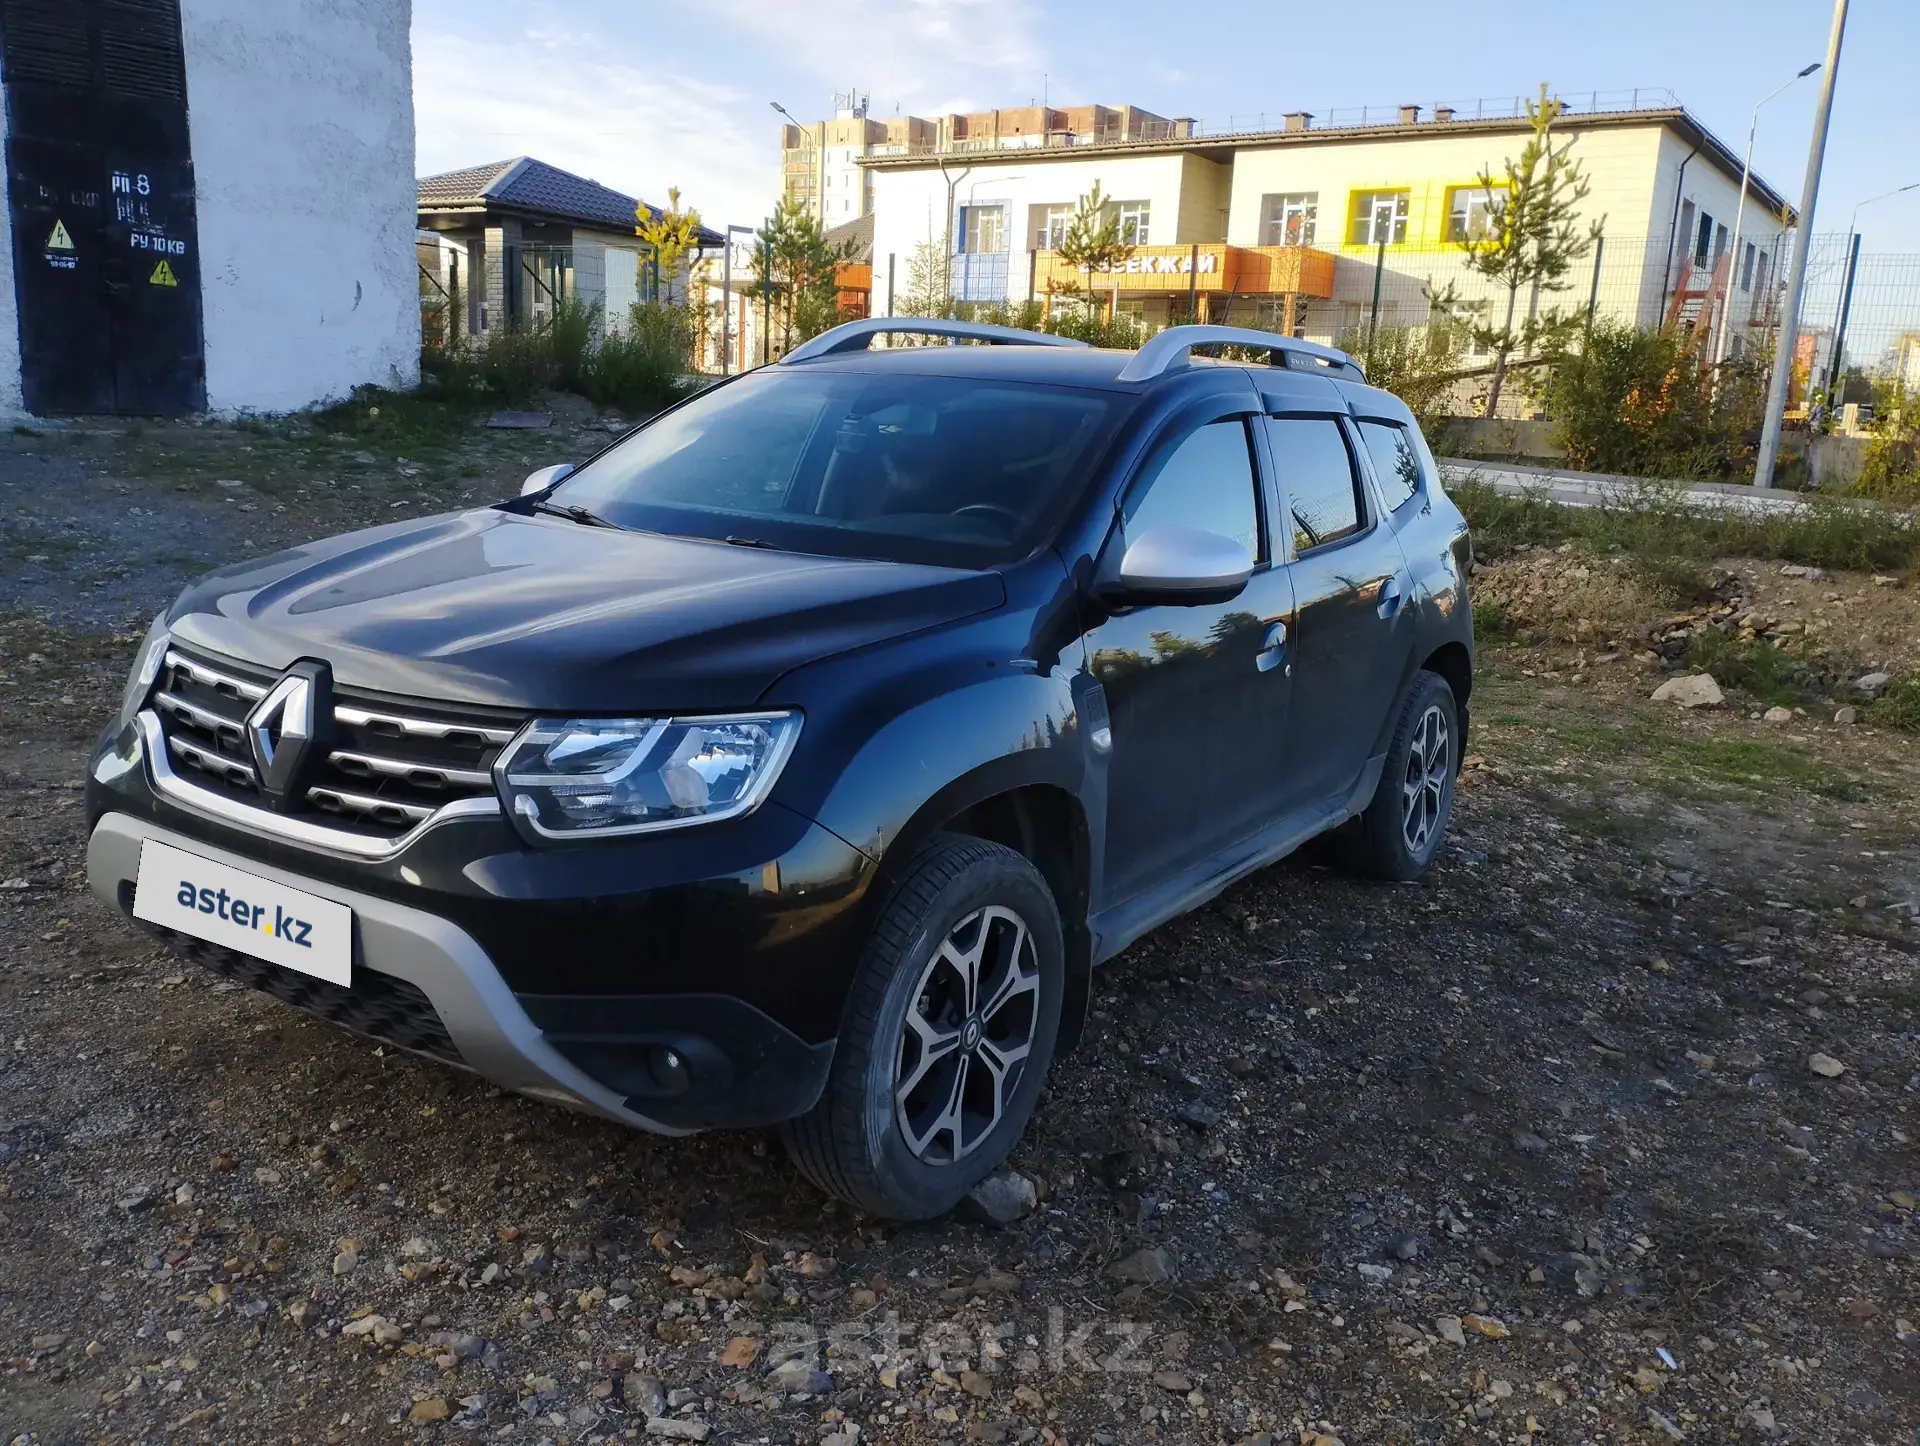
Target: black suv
{"x": 795, "y": 759}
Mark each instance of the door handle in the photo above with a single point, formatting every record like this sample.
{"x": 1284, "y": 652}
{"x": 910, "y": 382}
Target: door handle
{"x": 1390, "y": 597}
{"x": 1273, "y": 648}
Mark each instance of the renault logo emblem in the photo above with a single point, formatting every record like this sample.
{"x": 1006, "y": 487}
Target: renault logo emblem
{"x": 285, "y": 727}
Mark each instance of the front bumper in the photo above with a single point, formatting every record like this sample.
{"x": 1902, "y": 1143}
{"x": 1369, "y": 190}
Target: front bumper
{"x": 674, "y": 984}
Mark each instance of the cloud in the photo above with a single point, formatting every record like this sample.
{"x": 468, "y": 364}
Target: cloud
{"x": 570, "y": 97}
{"x": 927, "y": 56}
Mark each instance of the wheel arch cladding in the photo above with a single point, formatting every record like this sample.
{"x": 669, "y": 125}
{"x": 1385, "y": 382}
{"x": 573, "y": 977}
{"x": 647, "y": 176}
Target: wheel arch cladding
{"x": 1046, "y": 824}
{"x": 1453, "y": 663}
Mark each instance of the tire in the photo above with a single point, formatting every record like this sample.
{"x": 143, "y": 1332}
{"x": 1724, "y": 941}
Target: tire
{"x": 885, "y": 1136}
{"x": 1398, "y": 834}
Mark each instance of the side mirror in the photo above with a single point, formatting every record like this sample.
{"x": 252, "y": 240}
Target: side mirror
{"x": 544, "y": 478}
{"x": 1183, "y": 566}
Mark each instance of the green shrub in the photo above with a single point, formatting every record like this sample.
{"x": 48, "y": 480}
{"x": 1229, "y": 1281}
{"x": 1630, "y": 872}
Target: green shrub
{"x": 1899, "y": 706}
{"x": 638, "y": 368}
{"x": 1642, "y": 404}
{"x": 1890, "y": 471}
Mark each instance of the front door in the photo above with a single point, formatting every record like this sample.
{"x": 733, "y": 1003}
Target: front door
{"x": 1197, "y": 695}
{"x": 1351, "y": 630}
{"x": 100, "y": 189}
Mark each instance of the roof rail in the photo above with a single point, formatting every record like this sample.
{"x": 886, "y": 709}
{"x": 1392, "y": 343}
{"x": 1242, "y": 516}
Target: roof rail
{"x": 1169, "y": 349}
{"x": 855, "y": 335}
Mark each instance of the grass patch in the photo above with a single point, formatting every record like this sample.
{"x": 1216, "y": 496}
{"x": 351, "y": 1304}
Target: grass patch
{"x": 1663, "y": 527}
{"x": 1761, "y": 670}
{"x": 1494, "y": 625}
{"x": 1754, "y": 763}
{"x": 402, "y": 424}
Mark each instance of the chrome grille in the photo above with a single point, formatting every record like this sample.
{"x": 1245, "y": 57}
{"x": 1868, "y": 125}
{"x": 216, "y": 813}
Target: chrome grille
{"x": 389, "y": 768}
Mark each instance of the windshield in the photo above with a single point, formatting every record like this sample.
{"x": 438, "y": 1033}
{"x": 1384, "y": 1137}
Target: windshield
{"x": 954, "y": 471}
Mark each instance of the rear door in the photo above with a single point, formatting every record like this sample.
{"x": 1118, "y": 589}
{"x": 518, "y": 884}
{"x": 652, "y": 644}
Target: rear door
{"x": 1352, "y": 630}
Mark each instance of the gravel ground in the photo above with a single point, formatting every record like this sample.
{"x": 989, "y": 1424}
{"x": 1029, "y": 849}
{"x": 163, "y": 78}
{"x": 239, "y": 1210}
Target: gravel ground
{"x": 1604, "y": 1132}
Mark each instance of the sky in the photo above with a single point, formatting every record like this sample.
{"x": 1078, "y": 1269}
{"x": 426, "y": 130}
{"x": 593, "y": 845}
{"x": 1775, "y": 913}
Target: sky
{"x": 642, "y": 95}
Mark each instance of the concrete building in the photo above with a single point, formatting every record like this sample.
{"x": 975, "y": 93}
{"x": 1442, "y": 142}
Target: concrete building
{"x": 821, "y": 163}
{"x": 210, "y": 204}
{"x": 514, "y": 239}
{"x": 1302, "y": 226}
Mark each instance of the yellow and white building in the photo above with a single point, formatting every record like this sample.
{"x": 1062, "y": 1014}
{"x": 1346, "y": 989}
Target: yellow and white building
{"x": 1296, "y": 226}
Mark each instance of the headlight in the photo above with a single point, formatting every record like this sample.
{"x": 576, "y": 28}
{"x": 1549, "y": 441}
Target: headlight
{"x": 146, "y": 667}
{"x": 594, "y": 777}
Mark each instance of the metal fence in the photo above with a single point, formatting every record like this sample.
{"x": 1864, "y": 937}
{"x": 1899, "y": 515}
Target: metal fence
{"x": 1631, "y": 280}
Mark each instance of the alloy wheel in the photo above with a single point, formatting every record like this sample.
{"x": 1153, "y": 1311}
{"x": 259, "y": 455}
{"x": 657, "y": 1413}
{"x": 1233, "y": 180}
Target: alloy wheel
{"x": 968, "y": 1031}
{"x": 1423, "y": 793}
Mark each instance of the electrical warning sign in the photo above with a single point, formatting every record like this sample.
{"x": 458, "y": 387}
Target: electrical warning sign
{"x": 163, "y": 276}
{"x": 60, "y": 240}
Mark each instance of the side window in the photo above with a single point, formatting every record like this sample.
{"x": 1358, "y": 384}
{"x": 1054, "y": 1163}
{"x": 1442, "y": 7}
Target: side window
{"x": 1206, "y": 481}
{"x": 1323, "y": 494}
{"x": 1395, "y": 463}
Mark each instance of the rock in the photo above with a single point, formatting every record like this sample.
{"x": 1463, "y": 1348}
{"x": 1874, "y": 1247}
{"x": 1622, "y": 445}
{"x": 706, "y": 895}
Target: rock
{"x": 1777, "y": 715}
{"x": 1172, "y": 1381}
{"x": 1695, "y": 690}
{"x": 1872, "y": 685}
{"x": 1667, "y": 1428}
{"x": 1154, "y": 1265}
{"x": 675, "y": 1429}
{"x": 434, "y": 1408}
{"x": 976, "y": 1384}
{"x": 643, "y": 1395}
{"x": 1486, "y": 1325}
{"x": 1450, "y": 1330}
{"x": 794, "y": 1374}
{"x": 740, "y": 1351}
{"x": 1199, "y": 1115}
{"x": 1529, "y": 1143}
{"x": 346, "y": 1262}
{"x": 1002, "y": 1198}
{"x": 460, "y": 1346}
{"x": 1826, "y": 1066}
{"x": 1403, "y": 1245}
{"x": 367, "y": 1325}
{"x": 1846, "y": 717}
{"x": 681, "y": 1396}
{"x": 535, "y": 1260}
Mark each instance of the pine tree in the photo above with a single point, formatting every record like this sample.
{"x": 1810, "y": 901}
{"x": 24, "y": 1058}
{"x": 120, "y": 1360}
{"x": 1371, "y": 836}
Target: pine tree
{"x": 1093, "y": 241}
{"x": 1531, "y": 241}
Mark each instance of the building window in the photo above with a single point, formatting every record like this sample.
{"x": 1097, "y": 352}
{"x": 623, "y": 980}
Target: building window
{"x": 1747, "y": 258}
{"x": 1703, "y": 240}
{"x": 1379, "y": 218}
{"x": 1051, "y": 227}
{"x": 1133, "y": 220}
{"x": 1290, "y": 218}
{"x": 1473, "y": 211}
{"x": 983, "y": 230}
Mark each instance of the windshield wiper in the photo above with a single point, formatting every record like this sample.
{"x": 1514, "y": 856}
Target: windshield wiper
{"x": 586, "y": 517}
{"x": 735, "y": 541}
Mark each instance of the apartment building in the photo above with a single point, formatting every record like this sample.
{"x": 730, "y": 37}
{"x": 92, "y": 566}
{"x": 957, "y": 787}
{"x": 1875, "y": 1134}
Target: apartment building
{"x": 821, "y": 163}
{"x": 1323, "y": 229}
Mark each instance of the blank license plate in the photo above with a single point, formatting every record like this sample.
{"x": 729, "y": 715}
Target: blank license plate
{"x": 244, "y": 911}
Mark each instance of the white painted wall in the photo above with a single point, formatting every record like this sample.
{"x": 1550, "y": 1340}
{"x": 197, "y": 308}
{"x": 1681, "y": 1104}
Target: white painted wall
{"x": 302, "y": 123}
{"x": 909, "y": 206}
{"x": 10, "y": 400}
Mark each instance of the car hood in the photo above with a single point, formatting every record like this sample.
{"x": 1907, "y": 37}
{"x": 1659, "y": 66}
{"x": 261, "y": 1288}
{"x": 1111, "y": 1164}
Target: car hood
{"x": 532, "y": 612}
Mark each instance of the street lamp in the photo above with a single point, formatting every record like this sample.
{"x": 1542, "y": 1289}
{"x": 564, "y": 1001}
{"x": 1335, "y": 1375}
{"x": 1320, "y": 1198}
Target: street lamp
{"x": 1846, "y": 286}
{"x": 819, "y": 201}
{"x": 1739, "y": 216}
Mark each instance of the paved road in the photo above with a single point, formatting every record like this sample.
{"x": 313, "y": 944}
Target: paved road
{"x": 1593, "y": 489}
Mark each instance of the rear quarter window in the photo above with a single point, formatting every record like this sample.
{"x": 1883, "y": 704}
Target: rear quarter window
{"x": 1396, "y": 462}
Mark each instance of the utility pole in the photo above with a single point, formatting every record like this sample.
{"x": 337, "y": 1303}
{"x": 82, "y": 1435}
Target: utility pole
{"x": 1840, "y": 328}
{"x": 1797, "y": 282}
